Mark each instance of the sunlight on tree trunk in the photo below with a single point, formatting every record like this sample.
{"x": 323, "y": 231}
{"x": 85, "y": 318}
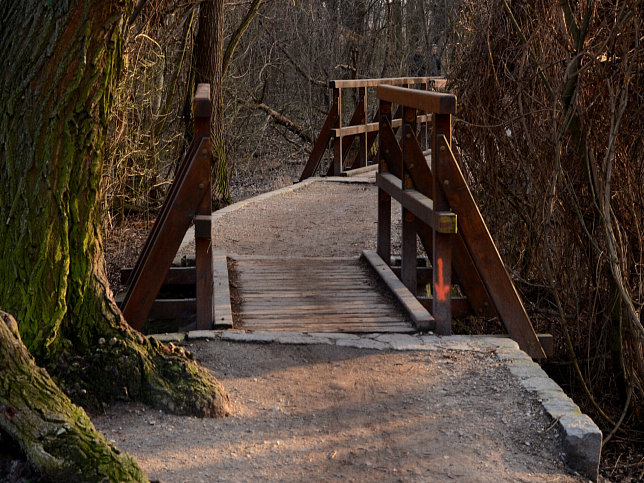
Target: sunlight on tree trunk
{"x": 210, "y": 51}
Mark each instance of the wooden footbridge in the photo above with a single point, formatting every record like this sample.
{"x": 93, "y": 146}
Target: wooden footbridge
{"x": 459, "y": 272}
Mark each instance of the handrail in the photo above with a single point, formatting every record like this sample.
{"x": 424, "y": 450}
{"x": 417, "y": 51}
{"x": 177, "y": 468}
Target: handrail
{"x": 438, "y": 208}
{"x": 434, "y": 102}
{"x": 394, "y": 81}
{"x": 201, "y": 104}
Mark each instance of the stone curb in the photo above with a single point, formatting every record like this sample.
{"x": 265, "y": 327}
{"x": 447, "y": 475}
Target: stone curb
{"x": 582, "y": 438}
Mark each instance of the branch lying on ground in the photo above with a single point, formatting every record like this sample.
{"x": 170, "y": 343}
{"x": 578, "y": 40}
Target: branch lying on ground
{"x": 282, "y": 120}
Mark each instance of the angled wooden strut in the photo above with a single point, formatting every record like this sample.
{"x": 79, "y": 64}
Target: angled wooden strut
{"x": 189, "y": 200}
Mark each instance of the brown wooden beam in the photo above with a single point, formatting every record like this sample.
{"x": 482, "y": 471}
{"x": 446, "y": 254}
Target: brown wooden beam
{"x": 435, "y": 102}
{"x": 322, "y": 140}
{"x": 397, "y": 81}
{"x": 173, "y": 308}
{"x": 421, "y": 318}
{"x": 485, "y": 254}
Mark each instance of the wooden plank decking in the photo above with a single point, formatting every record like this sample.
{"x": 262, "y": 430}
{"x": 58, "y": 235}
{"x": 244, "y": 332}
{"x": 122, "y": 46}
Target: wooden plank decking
{"x": 312, "y": 295}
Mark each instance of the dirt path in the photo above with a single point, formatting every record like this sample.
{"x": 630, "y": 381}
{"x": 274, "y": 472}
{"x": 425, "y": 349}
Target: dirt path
{"x": 321, "y": 412}
{"x": 327, "y": 413}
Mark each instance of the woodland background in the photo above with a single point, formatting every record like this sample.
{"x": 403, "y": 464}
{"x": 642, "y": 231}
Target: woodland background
{"x": 549, "y": 133}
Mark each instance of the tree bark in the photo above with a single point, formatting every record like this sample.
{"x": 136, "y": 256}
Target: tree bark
{"x": 209, "y": 67}
{"x": 58, "y": 438}
{"x": 62, "y": 63}
{"x": 238, "y": 34}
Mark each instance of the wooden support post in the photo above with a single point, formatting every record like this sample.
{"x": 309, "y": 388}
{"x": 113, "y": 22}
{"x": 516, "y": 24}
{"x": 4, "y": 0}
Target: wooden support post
{"x": 442, "y": 253}
{"x": 363, "y": 137}
{"x": 203, "y": 233}
{"x": 189, "y": 195}
{"x": 409, "y": 252}
{"x": 423, "y": 134}
{"x": 384, "y": 199}
{"x": 203, "y": 262}
{"x": 384, "y": 226}
{"x": 337, "y": 142}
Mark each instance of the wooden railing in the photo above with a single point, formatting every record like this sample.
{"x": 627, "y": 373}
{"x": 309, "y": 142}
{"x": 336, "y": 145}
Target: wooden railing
{"x": 438, "y": 208}
{"x": 344, "y": 135}
{"x": 189, "y": 201}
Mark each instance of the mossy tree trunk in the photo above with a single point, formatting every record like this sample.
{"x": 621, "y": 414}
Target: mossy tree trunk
{"x": 62, "y": 60}
{"x": 57, "y": 436}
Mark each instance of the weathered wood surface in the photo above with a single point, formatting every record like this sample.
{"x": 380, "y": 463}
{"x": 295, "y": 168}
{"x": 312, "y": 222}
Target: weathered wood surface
{"x": 421, "y": 318}
{"x": 221, "y": 296}
{"x": 312, "y": 295}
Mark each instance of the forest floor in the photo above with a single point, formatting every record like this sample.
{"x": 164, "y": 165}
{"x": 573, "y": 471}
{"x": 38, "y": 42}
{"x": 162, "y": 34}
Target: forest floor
{"x": 321, "y": 412}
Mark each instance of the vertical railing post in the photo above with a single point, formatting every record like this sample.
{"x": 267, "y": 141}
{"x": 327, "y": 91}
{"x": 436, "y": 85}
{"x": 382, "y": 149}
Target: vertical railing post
{"x": 384, "y": 199}
{"x": 203, "y": 227}
{"x": 337, "y": 141}
{"x": 409, "y": 248}
{"x": 423, "y": 135}
{"x": 442, "y": 256}
{"x": 362, "y": 92}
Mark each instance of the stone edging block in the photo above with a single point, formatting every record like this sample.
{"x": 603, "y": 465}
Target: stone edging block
{"x": 582, "y": 438}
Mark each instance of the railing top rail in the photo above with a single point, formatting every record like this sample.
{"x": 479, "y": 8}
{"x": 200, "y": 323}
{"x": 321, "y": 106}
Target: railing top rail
{"x": 394, "y": 81}
{"x": 201, "y": 103}
{"x": 424, "y": 100}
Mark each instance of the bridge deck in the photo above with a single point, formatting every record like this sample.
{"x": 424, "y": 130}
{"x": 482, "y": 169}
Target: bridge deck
{"x": 312, "y": 295}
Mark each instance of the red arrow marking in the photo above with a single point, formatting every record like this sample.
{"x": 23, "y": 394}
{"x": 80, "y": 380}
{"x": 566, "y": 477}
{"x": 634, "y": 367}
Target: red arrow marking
{"x": 441, "y": 288}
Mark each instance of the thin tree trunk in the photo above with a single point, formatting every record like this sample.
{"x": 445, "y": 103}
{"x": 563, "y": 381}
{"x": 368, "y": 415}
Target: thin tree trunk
{"x": 238, "y": 34}
{"x": 209, "y": 65}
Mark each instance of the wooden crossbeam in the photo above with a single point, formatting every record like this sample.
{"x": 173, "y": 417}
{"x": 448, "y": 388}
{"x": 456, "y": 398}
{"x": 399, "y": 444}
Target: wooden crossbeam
{"x": 322, "y": 140}
{"x": 419, "y": 315}
{"x": 163, "y": 242}
{"x": 417, "y": 203}
{"x": 485, "y": 255}
{"x": 421, "y": 175}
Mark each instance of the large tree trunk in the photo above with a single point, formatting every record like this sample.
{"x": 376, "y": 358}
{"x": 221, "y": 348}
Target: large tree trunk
{"x": 62, "y": 61}
{"x": 209, "y": 69}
